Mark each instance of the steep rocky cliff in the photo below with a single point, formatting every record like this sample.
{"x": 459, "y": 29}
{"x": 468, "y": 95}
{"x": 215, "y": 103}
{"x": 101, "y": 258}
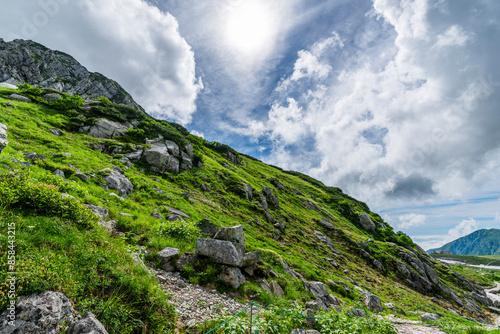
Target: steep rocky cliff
{"x": 29, "y": 62}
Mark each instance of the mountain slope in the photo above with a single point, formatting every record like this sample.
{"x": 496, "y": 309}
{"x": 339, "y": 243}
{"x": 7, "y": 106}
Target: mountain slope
{"x": 23, "y": 61}
{"x": 64, "y": 157}
{"x": 481, "y": 242}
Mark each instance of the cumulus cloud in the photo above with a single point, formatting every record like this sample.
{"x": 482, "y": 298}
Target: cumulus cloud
{"x": 129, "y": 41}
{"x": 411, "y": 220}
{"x": 410, "y": 114}
{"x": 197, "y": 133}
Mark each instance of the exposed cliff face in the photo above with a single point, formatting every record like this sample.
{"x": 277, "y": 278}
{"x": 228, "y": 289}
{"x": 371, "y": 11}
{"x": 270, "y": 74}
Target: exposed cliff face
{"x": 29, "y": 62}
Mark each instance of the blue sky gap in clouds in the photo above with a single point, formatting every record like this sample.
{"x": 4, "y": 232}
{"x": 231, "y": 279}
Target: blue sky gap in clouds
{"x": 395, "y": 102}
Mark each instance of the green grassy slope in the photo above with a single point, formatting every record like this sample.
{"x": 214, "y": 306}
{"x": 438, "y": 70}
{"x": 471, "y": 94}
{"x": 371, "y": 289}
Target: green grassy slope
{"x": 60, "y": 248}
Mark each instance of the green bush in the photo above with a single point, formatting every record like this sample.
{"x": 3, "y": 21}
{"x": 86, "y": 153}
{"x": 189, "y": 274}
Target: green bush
{"x": 27, "y": 88}
{"x": 16, "y": 190}
{"x": 67, "y": 102}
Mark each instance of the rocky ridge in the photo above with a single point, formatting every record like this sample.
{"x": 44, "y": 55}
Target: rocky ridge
{"x": 23, "y": 61}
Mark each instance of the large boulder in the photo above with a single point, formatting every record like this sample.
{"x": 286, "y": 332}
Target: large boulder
{"x": 101, "y": 212}
{"x": 325, "y": 223}
{"x": 165, "y": 256}
{"x": 3, "y": 137}
{"x": 20, "y": 98}
{"x": 429, "y": 317}
{"x": 366, "y": 222}
{"x": 118, "y": 181}
{"x": 233, "y": 234}
{"x": 276, "y": 289}
{"x": 316, "y": 288}
{"x": 160, "y": 160}
{"x": 251, "y": 258}
{"x": 208, "y": 228}
{"x": 232, "y": 277}
{"x": 39, "y": 313}
{"x": 88, "y": 324}
{"x": 220, "y": 251}
{"x": 373, "y": 303}
{"x": 104, "y": 128}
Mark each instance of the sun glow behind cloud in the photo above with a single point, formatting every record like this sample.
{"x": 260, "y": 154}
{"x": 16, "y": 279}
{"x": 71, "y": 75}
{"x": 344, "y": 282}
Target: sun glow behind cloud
{"x": 250, "y": 28}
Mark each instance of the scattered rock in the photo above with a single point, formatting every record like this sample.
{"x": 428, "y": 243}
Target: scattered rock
{"x": 205, "y": 187}
{"x": 325, "y": 223}
{"x": 324, "y": 239}
{"x": 98, "y": 211}
{"x": 20, "y": 98}
{"x": 59, "y": 173}
{"x": 55, "y": 132}
{"x": 366, "y": 222}
{"x": 234, "y": 234}
{"x": 356, "y": 312}
{"x": 8, "y": 85}
{"x": 157, "y": 215}
{"x": 166, "y": 255}
{"x": 278, "y": 185}
{"x": 251, "y": 258}
{"x": 316, "y": 288}
{"x": 390, "y": 306}
{"x": 232, "y": 277}
{"x": 51, "y": 97}
{"x": 247, "y": 188}
{"x": 276, "y": 289}
{"x": 82, "y": 177}
{"x": 304, "y": 331}
{"x": 87, "y": 325}
{"x": 34, "y": 156}
{"x": 280, "y": 225}
{"x": 3, "y": 137}
{"x": 220, "y": 251}
{"x": 104, "y": 128}
{"x": 373, "y": 303}
{"x": 38, "y": 313}
{"x": 310, "y": 205}
{"x": 179, "y": 212}
{"x": 118, "y": 181}
{"x": 429, "y": 317}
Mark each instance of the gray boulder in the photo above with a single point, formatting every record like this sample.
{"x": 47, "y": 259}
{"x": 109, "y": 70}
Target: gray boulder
{"x": 278, "y": 185}
{"x": 232, "y": 277}
{"x": 39, "y": 313}
{"x": 247, "y": 188}
{"x": 327, "y": 241}
{"x": 429, "y": 317}
{"x": 373, "y": 303}
{"x": 205, "y": 187}
{"x": 8, "y": 85}
{"x": 135, "y": 156}
{"x": 233, "y": 234}
{"x": 118, "y": 181}
{"x": 160, "y": 160}
{"x": 251, "y": 258}
{"x": 276, "y": 289}
{"x": 482, "y": 299}
{"x": 270, "y": 196}
{"x": 220, "y": 251}
{"x": 316, "y": 288}
{"x": 166, "y": 255}
{"x": 189, "y": 150}
{"x": 51, "y": 97}
{"x": 59, "y": 173}
{"x": 366, "y": 222}
{"x": 101, "y": 212}
{"x": 104, "y": 128}
{"x": 34, "y": 156}
{"x": 173, "y": 148}
{"x": 325, "y": 223}
{"x": 55, "y": 132}
{"x": 304, "y": 331}
{"x": 88, "y": 324}
{"x": 186, "y": 162}
{"x": 3, "y": 137}
{"x": 20, "y": 98}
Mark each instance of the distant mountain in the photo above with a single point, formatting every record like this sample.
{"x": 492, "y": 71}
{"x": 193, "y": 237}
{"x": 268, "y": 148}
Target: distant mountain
{"x": 481, "y": 242}
{"x": 24, "y": 61}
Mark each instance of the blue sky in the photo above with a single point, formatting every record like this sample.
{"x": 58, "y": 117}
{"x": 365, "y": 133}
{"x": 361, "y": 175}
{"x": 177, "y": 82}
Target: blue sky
{"x": 396, "y": 102}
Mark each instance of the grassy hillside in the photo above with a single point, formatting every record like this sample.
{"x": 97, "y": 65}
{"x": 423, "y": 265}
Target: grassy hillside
{"x": 60, "y": 245}
{"x": 481, "y": 242}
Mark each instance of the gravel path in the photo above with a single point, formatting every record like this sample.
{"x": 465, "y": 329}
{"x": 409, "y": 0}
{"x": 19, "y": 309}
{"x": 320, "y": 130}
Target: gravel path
{"x": 195, "y": 304}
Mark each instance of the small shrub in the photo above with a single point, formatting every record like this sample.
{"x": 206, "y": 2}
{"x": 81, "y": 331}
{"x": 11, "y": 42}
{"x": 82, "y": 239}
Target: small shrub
{"x": 27, "y": 88}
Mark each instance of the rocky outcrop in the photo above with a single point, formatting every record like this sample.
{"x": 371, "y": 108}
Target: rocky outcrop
{"x": 40, "y": 313}
{"x": 88, "y": 324}
{"x": 232, "y": 277}
{"x": 24, "y": 61}
{"x": 104, "y": 128}
{"x": 267, "y": 195}
{"x": 324, "y": 300}
{"x": 220, "y": 251}
{"x": 326, "y": 224}
{"x": 165, "y": 256}
{"x": 234, "y": 235}
{"x": 19, "y": 98}
{"x": 373, "y": 303}
{"x": 366, "y": 222}
{"x": 3, "y": 137}
{"x": 327, "y": 241}
{"x": 101, "y": 212}
{"x": 118, "y": 181}
{"x": 166, "y": 156}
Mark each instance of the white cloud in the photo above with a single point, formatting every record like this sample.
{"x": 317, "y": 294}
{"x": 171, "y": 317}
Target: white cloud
{"x": 411, "y": 220}
{"x": 129, "y": 41}
{"x": 405, "y": 116}
{"x": 196, "y": 133}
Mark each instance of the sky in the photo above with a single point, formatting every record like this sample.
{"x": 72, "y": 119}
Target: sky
{"x": 394, "y": 101}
